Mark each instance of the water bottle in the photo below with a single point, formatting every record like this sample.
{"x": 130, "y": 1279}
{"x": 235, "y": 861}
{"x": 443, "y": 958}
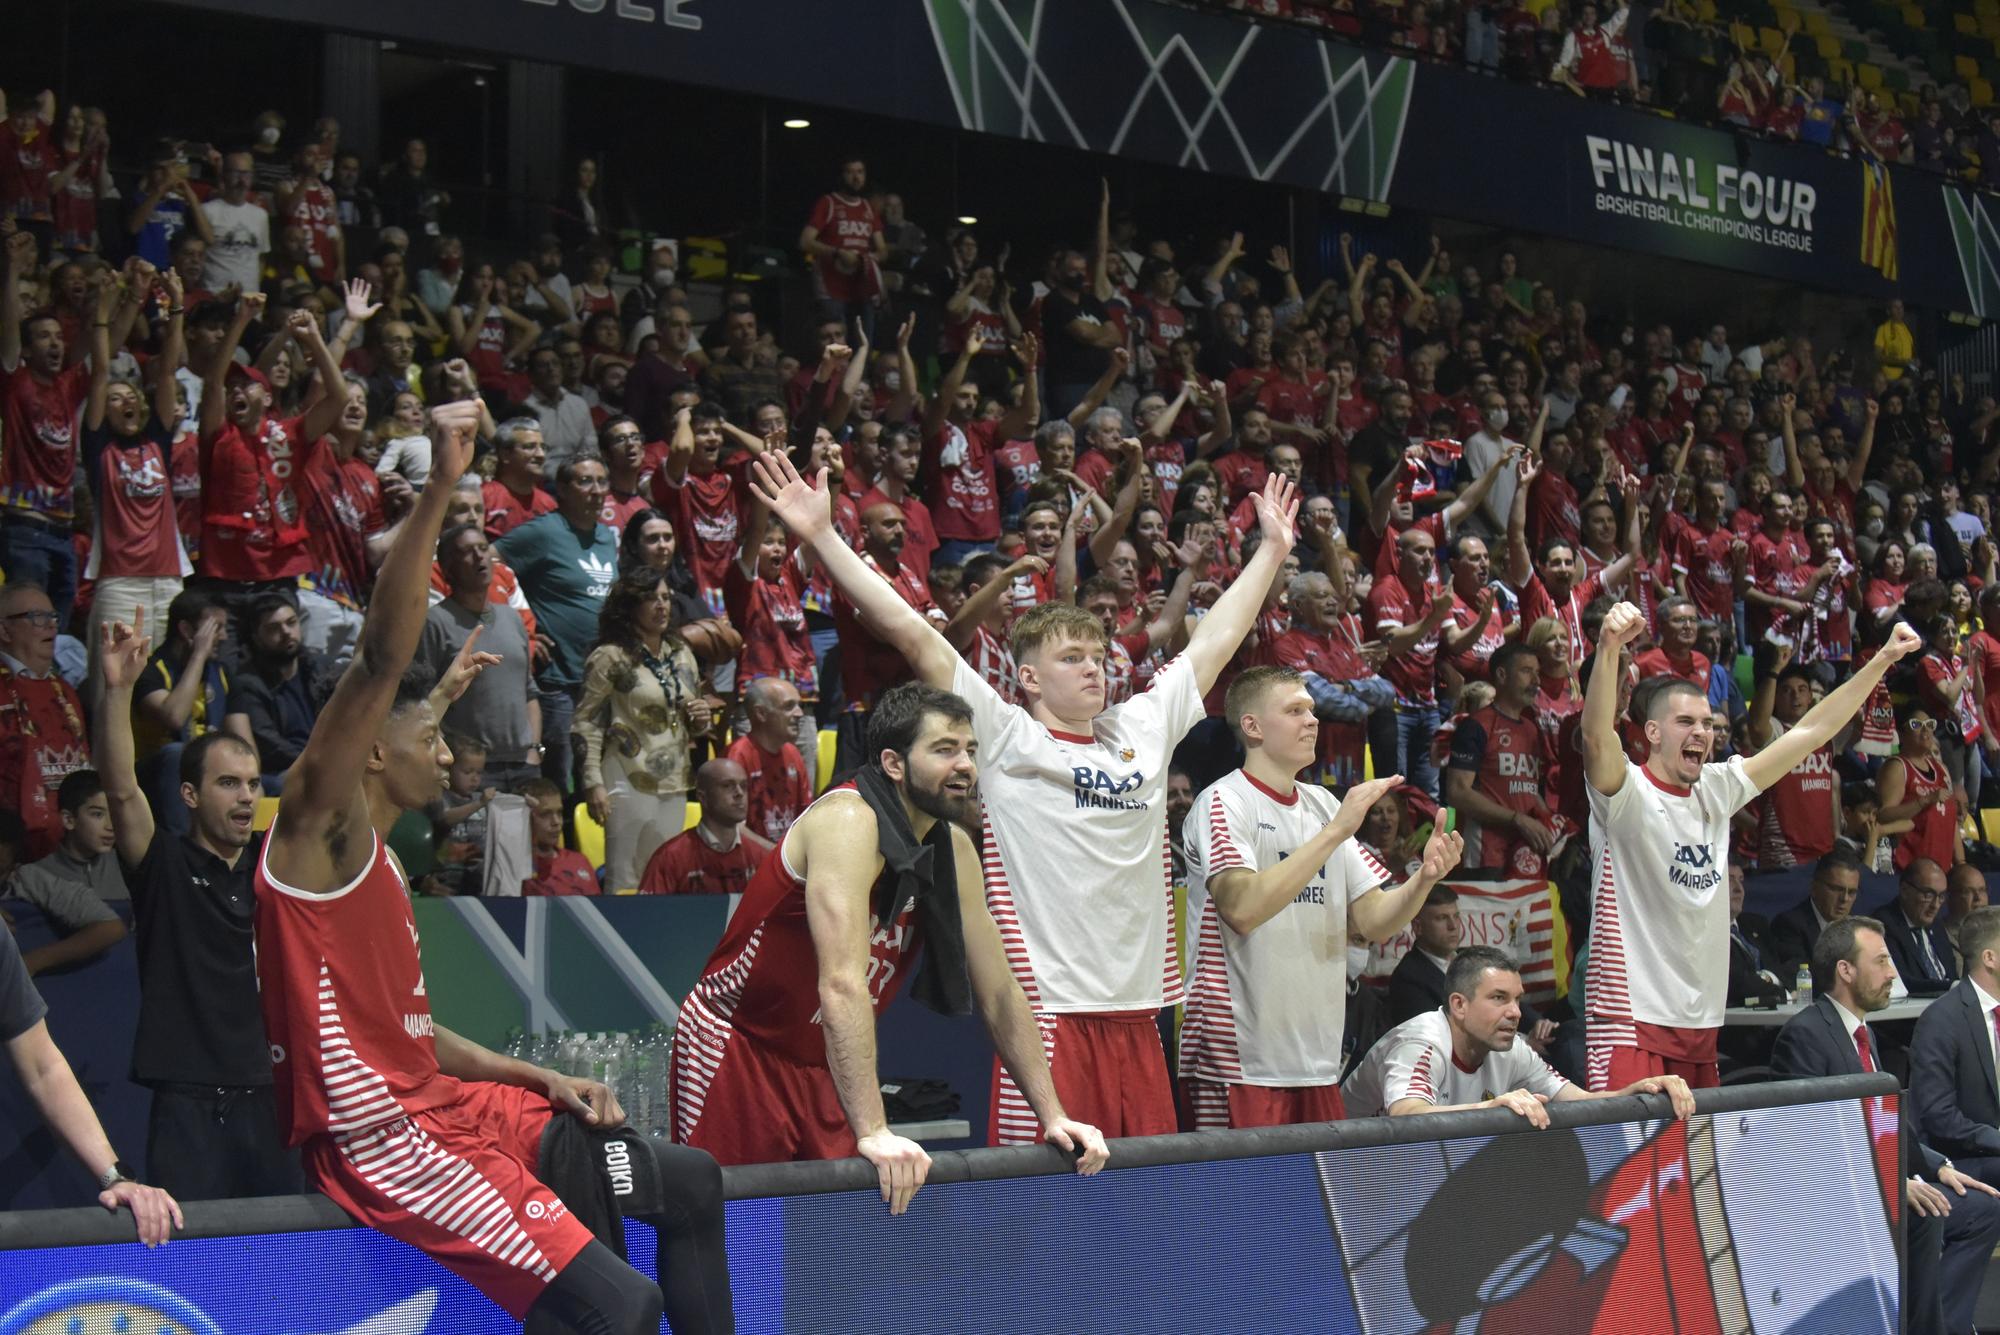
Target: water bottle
{"x": 1802, "y": 985}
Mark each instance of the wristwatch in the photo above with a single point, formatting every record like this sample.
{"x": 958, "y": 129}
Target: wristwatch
{"x": 118, "y": 1172}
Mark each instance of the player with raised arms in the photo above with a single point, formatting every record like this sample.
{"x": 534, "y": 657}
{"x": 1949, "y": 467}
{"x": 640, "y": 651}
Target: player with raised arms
{"x": 1659, "y": 832}
{"x": 1276, "y": 882}
{"x": 1075, "y": 850}
{"x": 774, "y": 1056}
{"x": 409, "y": 1127}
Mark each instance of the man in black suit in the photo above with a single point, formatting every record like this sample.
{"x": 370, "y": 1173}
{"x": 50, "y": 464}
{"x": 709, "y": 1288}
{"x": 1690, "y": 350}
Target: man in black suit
{"x": 1965, "y": 890}
{"x": 1417, "y": 985}
{"x": 1835, "y": 883}
{"x": 1917, "y": 941}
{"x": 1749, "y": 950}
{"x": 1951, "y": 1058}
{"x": 1953, "y": 1218}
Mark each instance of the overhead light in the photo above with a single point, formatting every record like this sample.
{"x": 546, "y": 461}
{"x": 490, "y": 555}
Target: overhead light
{"x": 797, "y": 123}
{"x": 966, "y": 220}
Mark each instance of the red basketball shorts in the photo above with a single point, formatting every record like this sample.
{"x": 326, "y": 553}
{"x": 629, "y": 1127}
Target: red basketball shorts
{"x": 1215, "y": 1105}
{"x": 744, "y": 1103}
{"x": 1109, "y": 1071}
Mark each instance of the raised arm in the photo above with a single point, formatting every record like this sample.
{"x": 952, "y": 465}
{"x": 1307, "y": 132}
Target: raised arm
{"x": 215, "y": 382}
{"x": 121, "y": 658}
{"x": 802, "y": 508}
{"x": 21, "y": 257}
{"x": 939, "y": 407}
{"x": 100, "y": 351}
{"x": 1110, "y": 533}
{"x": 331, "y": 402}
{"x": 1020, "y": 419}
{"x": 1520, "y": 562}
{"x": 1795, "y": 471}
{"x": 1825, "y": 720}
{"x": 1100, "y": 390}
{"x": 173, "y": 349}
{"x": 1603, "y": 749}
{"x": 1100, "y": 259}
{"x": 1474, "y": 496}
{"x": 979, "y": 604}
{"x": 323, "y": 792}
{"x": 1857, "y": 467}
{"x": 1218, "y": 634}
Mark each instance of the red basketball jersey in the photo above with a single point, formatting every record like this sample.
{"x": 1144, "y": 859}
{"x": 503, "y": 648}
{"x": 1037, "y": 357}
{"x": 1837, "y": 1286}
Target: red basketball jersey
{"x": 344, "y": 1004}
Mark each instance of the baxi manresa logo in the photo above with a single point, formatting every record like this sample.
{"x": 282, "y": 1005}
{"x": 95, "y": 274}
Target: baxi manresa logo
{"x": 116, "y": 1305}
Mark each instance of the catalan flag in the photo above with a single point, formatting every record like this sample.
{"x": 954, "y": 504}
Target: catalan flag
{"x": 1878, "y": 219}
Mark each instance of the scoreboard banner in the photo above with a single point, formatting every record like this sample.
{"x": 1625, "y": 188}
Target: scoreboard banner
{"x": 1161, "y": 82}
{"x": 1611, "y": 1221}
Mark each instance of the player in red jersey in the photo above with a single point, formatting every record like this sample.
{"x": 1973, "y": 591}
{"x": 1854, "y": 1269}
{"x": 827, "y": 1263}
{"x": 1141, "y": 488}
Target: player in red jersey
{"x": 1501, "y": 767}
{"x": 409, "y": 1127}
{"x": 774, "y": 1058}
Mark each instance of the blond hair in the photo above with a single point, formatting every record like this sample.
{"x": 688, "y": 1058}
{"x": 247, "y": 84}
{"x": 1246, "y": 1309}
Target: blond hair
{"x": 1055, "y": 623}
{"x": 1246, "y": 694}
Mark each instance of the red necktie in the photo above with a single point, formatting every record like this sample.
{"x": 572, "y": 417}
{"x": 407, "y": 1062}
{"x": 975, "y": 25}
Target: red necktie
{"x": 1868, "y": 1058}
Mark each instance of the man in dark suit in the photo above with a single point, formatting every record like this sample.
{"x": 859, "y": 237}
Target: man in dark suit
{"x": 1749, "y": 950}
{"x": 1417, "y": 985}
{"x": 1953, "y": 1219}
{"x": 1835, "y": 883}
{"x": 1917, "y": 940}
{"x": 1951, "y": 1058}
{"x": 1965, "y": 890}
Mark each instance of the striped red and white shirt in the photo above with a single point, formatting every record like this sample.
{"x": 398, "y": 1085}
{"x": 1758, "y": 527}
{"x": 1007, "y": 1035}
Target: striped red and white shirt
{"x": 1415, "y": 1061}
{"x": 1268, "y": 1007}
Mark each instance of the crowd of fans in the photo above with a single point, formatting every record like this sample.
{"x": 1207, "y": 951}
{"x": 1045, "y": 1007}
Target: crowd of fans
{"x": 214, "y": 422}
{"x": 1674, "y": 58}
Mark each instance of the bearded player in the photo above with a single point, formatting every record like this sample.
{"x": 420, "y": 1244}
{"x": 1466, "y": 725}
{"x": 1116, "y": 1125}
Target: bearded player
{"x": 410, "y": 1128}
{"x": 1276, "y": 883}
{"x": 774, "y": 1058}
{"x": 1659, "y": 948}
{"x": 1077, "y": 868}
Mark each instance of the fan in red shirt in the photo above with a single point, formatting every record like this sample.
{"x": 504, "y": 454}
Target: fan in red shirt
{"x": 347, "y": 509}
{"x": 254, "y": 528}
{"x": 958, "y": 454}
{"x": 623, "y": 446}
{"x": 979, "y": 629}
{"x": 515, "y": 494}
{"x": 402, "y": 1123}
{"x": 1782, "y": 585}
{"x": 1405, "y": 613}
{"x": 42, "y": 737}
{"x": 1242, "y": 471}
{"x": 39, "y": 403}
{"x": 868, "y": 665}
{"x": 780, "y": 775}
{"x": 558, "y": 870}
{"x": 1673, "y": 653}
{"x": 843, "y": 239}
{"x": 764, "y": 590}
{"x": 1475, "y": 611}
{"x": 1553, "y": 508}
{"x": 1502, "y": 767}
{"x": 1828, "y": 634}
{"x": 704, "y": 499}
{"x": 1323, "y": 645}
{"x": 1800, "y": 813}
{"x": 308, "y": 203}
{"x": 1984, "y": 651}
{"x": 1549, "y": 586}
{"x": 1707, "y": 558}
{"x": 718, "y": 856}
{"x": 28, "y": 157}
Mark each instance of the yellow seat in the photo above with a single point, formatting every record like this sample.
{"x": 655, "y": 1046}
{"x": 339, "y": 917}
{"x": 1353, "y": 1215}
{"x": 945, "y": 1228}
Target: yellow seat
{"x": 1869, "y": 76}
{"x": 1909, "y": 104}
{"x": 1982, "y": 93}
{"x": 693, "y": 815}
{"x": 1771, "y": 40}
{"x": 1964, "y": 23}
{"x": 1815, "y": 23}
{"x": 1787, "y": 18}
{"x": 1986, "y": 8}
{"x": 1742, "y": 35}
{"x": 1705, "y": 10}
{"x": 1967, "y": 67}
{"x": 1788, "y": 65}
{"x": 1829, "y": 46}
{"x": 1839, "y": 72}
{"x": 1913, "y": 16}
{"x": 827, "y": 750}
{"x": 589, "y": 836}
{"x": 267, "y": 811}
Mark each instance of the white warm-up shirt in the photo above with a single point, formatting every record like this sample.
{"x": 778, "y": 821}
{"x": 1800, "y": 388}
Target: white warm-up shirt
{"x": 1268, "y": 1008}
{"x": 1414, "y": 1061}
{"x": 1075, "y": 851}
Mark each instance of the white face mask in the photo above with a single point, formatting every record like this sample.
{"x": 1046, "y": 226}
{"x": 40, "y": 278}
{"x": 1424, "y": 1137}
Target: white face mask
{"x": 892, "y": 380}
{"x": 663, "y": 278}
{"x": 268, "y": 135}
{"x": 1496, "y": 418}
{"x": 1872, "y": 527}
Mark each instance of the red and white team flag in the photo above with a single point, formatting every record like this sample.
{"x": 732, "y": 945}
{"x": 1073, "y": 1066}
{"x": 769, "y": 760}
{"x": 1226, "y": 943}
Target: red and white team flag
{"x": 1515, "y": 916}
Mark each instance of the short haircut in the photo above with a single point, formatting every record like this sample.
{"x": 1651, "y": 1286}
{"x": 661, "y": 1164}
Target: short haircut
{"x": 539, "y": 790}
{"x": 1662, "y": 690}
{"x": 982, "y": 568}
{"x": 948, "y": 578}
{"x": 1037, "y": 507}
{"x": 189, "y": 607}
{"x": 898, "y": 716}
{"x": 1504, "y": 658}
{"x": 1049, "y": 432}
{"x": 566, "y": 470}
{"x": 1249, "y": 689}
{"x": 707, "y": 411}
{"x": 77, "y": 788}
{"x": 1097, "y": 586}
{"x": 1054, "y": 623}
{"x": 1838, "y": 858}
{"x": 1470, "y": 964}
{"x": 465, "y": 744}
{"x": 1440, "y": 895}
{"x": 1837, "y": 942}
{"x": 1978, "y": 932}
{"x": 1302, "y": 585}
{"x": 448, "y": 538}
{"x": 264, "y": 604}
{"x": 507, "y": 435}
{"x": 194, "y": 756}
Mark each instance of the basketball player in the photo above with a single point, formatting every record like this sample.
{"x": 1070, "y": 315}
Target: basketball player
{"x": 1467, "y": 1054}
{"x": 410, "y": 1128}
{"x": 1276, "y": 884}
{"x": 1659, "y": 947}
{"x": 774, "y": 1058}
{"x": 1077, "y": 871}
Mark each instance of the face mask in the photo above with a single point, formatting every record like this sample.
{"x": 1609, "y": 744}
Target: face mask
{"x": 892, "y": 381}
{"x": 1873, "y": 528}
{"x": 663, "y": 278}
{"x": 1496, "y": 418}
{"x": 326, "y": 170}
{"x": 268, "y": 135}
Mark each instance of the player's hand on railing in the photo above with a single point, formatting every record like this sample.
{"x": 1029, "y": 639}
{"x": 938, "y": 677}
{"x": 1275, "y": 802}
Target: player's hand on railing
{"x": 1527, "y": 1105}
{"x": 1078, "y": 1136}
{"x": 900, "y": 1164}
{"x": 155, "y": 1212}
{"x": 1674, "y": 1087}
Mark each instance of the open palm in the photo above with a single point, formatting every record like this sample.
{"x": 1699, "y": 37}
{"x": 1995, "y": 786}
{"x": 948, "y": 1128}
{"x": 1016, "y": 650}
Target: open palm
{"x": 799, "y": 505}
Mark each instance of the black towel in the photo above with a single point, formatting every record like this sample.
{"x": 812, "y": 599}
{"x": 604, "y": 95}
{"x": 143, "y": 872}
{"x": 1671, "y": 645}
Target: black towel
{"x": 922, "y": 872}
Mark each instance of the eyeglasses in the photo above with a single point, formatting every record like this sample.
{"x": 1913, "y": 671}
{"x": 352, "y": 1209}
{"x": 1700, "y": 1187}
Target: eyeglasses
{"x": 1926, "y": 896}
{"x": 1922, "y": 725}
{"x": 35, "y": 618}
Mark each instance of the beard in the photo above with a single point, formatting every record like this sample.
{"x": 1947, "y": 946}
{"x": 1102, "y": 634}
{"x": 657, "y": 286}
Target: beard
{"x": 939, "y": 804}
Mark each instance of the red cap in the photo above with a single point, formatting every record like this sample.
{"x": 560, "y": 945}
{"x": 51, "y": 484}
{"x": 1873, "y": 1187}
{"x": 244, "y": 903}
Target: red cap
{"x": 250, "y": 373}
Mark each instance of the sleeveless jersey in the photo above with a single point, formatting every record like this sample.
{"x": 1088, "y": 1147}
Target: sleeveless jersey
{"x": 1799, "y": 819}
{"x": 345, "y": 1008}
{"x": 763, "y": 979}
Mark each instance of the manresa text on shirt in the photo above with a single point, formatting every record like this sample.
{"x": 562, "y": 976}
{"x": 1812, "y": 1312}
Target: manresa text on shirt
{"x": 1098, "y": 790}
{"x": 1694, "y": 867}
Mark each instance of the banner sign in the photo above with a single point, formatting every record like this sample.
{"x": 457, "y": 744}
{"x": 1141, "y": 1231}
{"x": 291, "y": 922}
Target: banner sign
{"x": 1515, "y": 916}
{"x": 1160, "y": 82}
{"x": 1716, "y": 1223}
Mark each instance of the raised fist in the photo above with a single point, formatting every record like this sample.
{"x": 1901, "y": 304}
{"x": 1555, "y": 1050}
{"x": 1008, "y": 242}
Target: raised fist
{"x": 1622, "y": 625}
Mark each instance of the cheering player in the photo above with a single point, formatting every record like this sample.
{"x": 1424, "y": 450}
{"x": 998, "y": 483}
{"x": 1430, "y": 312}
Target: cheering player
{"x": 1659, "y": 949}
{"x": 774, "y": 1059}
{"x": 1077, "y": 869}
{"x": 410, "y": 1128}
{"x": 1276, "y": 882}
